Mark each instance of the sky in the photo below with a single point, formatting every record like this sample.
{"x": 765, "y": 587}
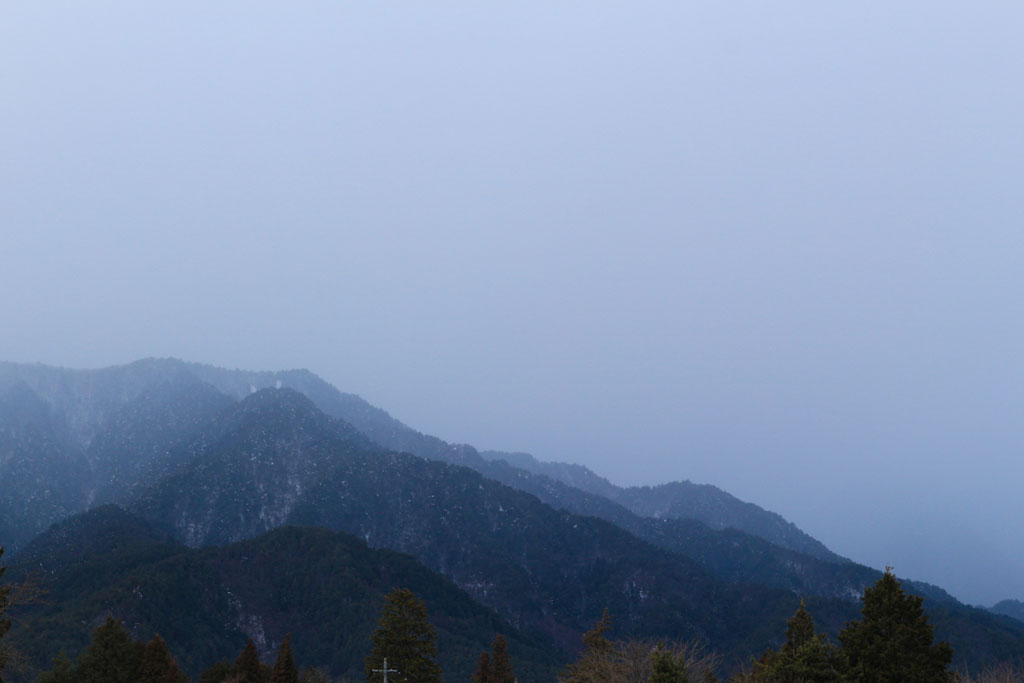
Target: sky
{"x": 775, "y": 247}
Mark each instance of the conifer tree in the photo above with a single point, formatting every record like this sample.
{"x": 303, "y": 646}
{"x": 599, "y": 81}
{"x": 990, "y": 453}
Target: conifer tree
{"x": 247, "y": 668}
{"x": 594, "y": 639}
{"x": 62, "y": 671}
{"x": 483, "y": 669}
{"x": 666, "y": 668}
{"x": 158, "y": 666}
{"x": 216, "y": 673}
{"x": 284, "y": 668}
{"x": 501, "y": 667}
{"x": 893, "y": 642}
{"x": 112, "y": 657}
{"x": 407, "y": 639}
{"x": 597, "y": 659}
{"x": 799, "y": 629}
{"x": 315, "y": 676}
{"x": 805, "y": 657}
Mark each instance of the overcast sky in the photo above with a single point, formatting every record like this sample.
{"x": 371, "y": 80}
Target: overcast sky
{"x": 773, "y": 246}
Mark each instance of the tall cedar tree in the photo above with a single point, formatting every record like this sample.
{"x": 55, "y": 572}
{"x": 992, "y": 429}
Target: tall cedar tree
{"x": 893, "y": 642}
{"x": 501, "y": 667}
{"x": 247, "y": 668}
{"x": 597, "y": 649}
{"x": 284, "y": 668}
{"x": 63, "y": 670}
{"x": 483, "y": 669}
{"x": 594, "y": 639}
{"x": 498, "y": 669}
{"x": 407, "y": 639}
{"x": 158, "y": 666}
{"x": 216, "y": 673}
{"x": 112, "y": 657}
{"x": 5, "y": 622}
{"x": 805, "y": 657}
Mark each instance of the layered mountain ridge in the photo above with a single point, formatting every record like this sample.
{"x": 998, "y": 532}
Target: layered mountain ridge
{"x": 211, "y": 457}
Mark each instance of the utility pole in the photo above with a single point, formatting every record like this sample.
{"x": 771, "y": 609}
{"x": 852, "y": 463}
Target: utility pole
{"x": 386, "y": 670}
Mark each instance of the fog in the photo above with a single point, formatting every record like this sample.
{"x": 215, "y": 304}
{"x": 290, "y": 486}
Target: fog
{"x": 775, "y": 247}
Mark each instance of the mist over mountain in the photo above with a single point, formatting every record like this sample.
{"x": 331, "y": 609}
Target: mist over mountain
{"x": 770, "y": 249}
{"x": 211, "y": 457}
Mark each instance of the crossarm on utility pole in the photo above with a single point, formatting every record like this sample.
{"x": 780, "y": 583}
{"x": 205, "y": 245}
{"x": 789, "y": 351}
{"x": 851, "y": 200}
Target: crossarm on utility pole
{"x": 386, "y": 670}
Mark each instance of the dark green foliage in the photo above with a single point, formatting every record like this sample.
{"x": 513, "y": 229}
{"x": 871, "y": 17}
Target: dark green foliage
{"x": 62, "y": 671}
{"x": 595, "y": 639}
{"x": 112, "y": 657}
{"x": 284, "y": 668}
{"x": 216, "y": 673}
{"x": 483, "y": 669}
{"x": 893, "y": 642}
{"x": 407, "y": 639}
{"x": 498, "y": 669}
{"x": 315, "y": 676}
{"x": 805, "y": 657}
{"x": 667, "y": 668}
{"x": 501, "y": 667}
{"x": 590, "y": 666}
{"x": 158, "y": 666}
{"x": 516, "y": 553}
{"x": 799, "y": 630}
{"x": 247, "y": 668}
{"x": 328, "y": 594}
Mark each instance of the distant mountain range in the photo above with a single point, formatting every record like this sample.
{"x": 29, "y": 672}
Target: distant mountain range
{"x": 202, "y": 457}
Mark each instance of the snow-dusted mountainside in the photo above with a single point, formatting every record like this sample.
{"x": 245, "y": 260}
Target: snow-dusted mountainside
{"x": 679, "y": 500}
{"x": 88, "y": 409}
{"x": 209, "y": 467}
{"x": 70, "y": 439}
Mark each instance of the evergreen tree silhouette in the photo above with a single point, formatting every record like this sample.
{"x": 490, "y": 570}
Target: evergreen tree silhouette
{"x": 407, "y": 639}
{"x": 666, "y": 668}
{"x": 158, "y": 666}
{"x": 284, "y": 668}
{"x": 483, "y": 669}
{"x": 501, "y": 667}
{"x": 112, "y": 657}
{"x": 893, "y": 642}
{"x": 247, "y": 668}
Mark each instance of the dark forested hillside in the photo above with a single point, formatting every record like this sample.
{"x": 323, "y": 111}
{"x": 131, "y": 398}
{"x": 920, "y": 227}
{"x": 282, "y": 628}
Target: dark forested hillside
{"x": 324, "y": 588}
{"x": 286, "y": 462}
{"x": 210, "y": 457}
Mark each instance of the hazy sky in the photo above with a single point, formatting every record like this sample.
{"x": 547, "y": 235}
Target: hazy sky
{"x": 773, "y": 246}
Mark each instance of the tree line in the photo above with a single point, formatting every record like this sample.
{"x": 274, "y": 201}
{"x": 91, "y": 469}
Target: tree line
{"x": 892, "y": 642}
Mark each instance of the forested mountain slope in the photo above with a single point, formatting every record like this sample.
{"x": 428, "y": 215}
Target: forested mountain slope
{"x": 282, "y": 461}
{"x": 115, "y": 427}
{"x": 681, "y": 500}
{"x": 211, "y": 468}
{"x": 678, "y": 500}
{"x": 324, "y": 588}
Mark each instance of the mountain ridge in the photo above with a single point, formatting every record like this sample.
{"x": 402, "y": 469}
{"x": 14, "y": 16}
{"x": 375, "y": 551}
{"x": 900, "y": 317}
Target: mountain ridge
{"x": 223, "y": 472}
